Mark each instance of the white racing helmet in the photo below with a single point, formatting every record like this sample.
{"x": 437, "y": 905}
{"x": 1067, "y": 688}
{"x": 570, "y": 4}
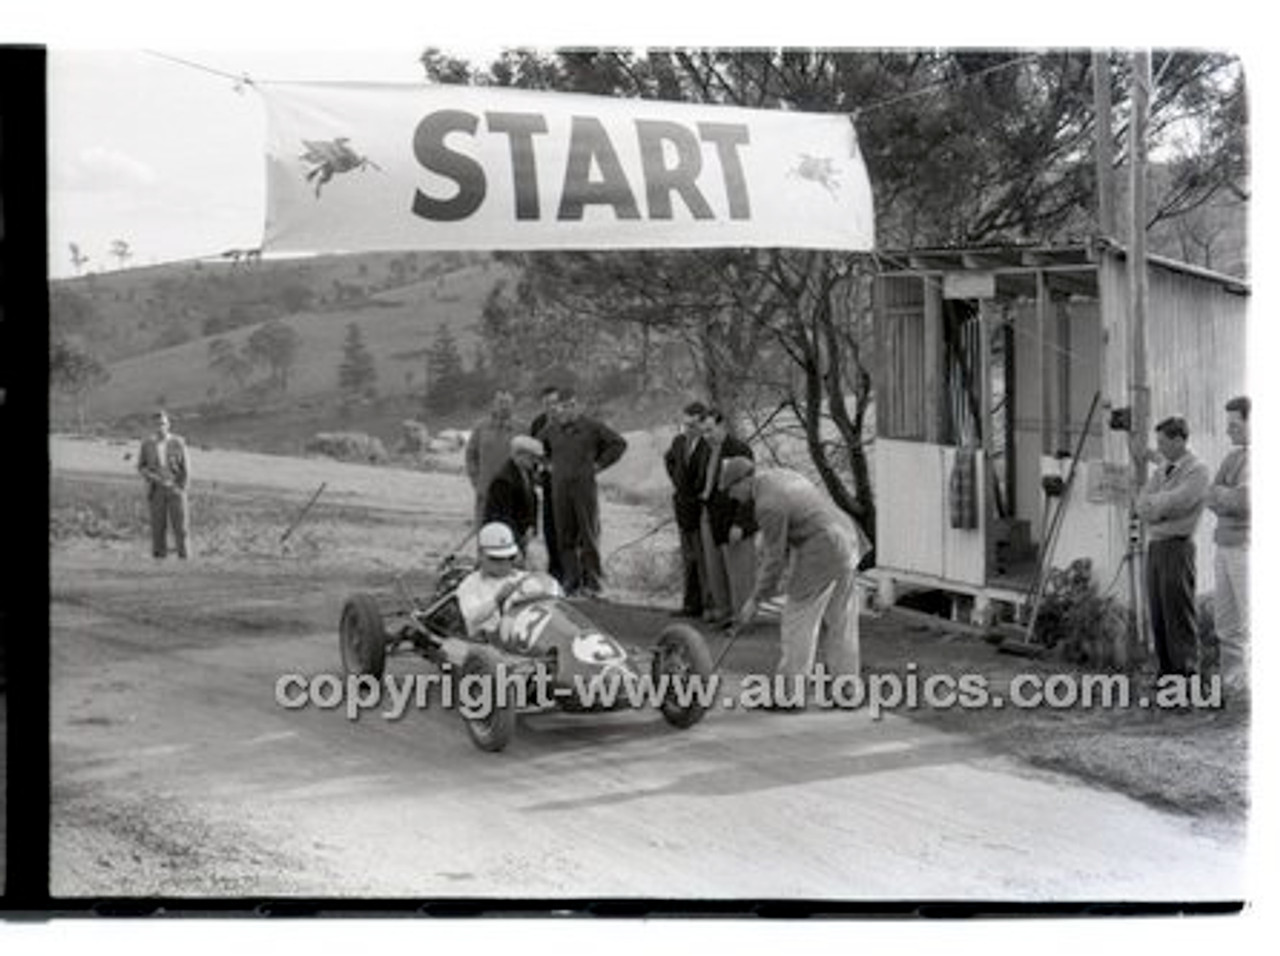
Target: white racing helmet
{"x": 496, "y": 541}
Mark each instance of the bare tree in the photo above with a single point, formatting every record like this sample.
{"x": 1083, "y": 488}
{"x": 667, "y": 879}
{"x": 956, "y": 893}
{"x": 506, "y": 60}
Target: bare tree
{"x": 121, "y": 251}
{"x": 78, "y": 259}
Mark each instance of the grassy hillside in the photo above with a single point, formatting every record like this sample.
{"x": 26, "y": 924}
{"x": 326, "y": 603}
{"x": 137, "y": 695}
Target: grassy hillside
{"x": 131, "y": 312}
{"x": 397, "y": 326}
{"x": 399, "y": 304}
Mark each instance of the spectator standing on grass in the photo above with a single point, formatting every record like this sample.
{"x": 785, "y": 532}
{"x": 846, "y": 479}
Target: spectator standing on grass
{"x": 550, "y": 398}
{"x": 1170, "y": 504}
{"x": 164, "y": 463}
{"x": 578, "y": 448}
{"x": 803, "y": 533}
{"x": 686, "y": 461}
{"x": 512, "y": 497}
{"x": 718, "y": 516}
{"x": 1228, "y": 499}
{"x": 488, "y": 448}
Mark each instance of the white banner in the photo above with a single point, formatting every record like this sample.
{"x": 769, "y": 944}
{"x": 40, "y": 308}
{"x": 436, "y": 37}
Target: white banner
{"x": 367, "y": 166}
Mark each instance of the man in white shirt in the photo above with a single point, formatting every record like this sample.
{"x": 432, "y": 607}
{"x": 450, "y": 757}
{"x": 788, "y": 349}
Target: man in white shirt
{"x": 483, "y": 592}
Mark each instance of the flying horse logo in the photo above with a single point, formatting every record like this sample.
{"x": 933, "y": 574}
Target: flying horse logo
{"x": 820, "y": 170}
{"x": 330, "y": 158}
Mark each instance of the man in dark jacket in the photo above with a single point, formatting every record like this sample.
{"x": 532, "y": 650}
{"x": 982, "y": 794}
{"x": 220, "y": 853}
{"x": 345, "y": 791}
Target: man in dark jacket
{"x": 550, "y": 397}
{"x": 730, "y": 565}
{"x": 578, "y": 448}
{"x": 686, "y": 462}
{"x": 512, "y": 496}
{"x": 163, "y": 462}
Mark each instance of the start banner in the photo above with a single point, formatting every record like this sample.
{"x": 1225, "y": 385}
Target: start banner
{"x": 355, "y": 166}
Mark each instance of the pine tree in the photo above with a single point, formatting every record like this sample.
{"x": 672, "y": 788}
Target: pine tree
{"x": 444, "y": 370}
{"x": 357, "y": 373}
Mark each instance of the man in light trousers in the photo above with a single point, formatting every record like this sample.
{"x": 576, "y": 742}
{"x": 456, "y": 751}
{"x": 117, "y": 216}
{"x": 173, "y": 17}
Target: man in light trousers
{"x": 1228, "y": 499}
{"x": 801, "y": 529}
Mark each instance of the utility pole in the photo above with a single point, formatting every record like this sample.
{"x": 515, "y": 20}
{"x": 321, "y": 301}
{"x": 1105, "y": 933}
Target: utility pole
{"x": 1138, "y": 253}
{"x": 1137, "y": 261}
{"x": 1104, "y": 156}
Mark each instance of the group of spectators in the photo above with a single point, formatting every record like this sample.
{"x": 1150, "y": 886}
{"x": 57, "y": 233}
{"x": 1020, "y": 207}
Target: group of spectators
{"x": 1170, "y": 504}
{"x": 743, "y": 530}
{"x": 540, "y": 483}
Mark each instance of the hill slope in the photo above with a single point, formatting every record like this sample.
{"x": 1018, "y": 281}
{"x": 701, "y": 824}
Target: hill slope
{"x": 398, "y": 326}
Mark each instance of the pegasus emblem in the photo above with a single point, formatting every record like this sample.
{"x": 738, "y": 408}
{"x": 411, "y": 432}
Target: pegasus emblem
{"x": 820, "y": 170}
{"x": 330, "y": 158}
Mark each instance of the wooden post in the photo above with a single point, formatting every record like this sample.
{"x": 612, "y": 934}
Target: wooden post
{"x": 1137, "y": 262}
{"x": 1063, "y": 317}
{"x": 1103, "y": 152}
{"x": 1138, "y": 257}
{"x": 935, "y": 369}
{"x": 1044, "y": 363}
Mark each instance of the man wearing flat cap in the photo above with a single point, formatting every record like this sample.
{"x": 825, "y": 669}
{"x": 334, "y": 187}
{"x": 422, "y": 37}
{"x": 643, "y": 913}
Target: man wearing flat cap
{"x": 801, "y": 529}
{"x": 1170, "y": 505}
{"x": 512, "y": 495}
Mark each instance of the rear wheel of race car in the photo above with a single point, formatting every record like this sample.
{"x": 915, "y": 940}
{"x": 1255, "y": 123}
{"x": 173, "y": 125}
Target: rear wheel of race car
{"x": 682, "y": 656}
{"x": 362, "y": 637}
{"x": 491, "y": 728}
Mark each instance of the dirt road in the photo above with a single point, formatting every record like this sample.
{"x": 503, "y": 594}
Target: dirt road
{"x": 175, "y": 772}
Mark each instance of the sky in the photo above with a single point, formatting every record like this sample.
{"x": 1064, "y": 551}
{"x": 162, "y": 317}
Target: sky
{"x": 170, "y": 157}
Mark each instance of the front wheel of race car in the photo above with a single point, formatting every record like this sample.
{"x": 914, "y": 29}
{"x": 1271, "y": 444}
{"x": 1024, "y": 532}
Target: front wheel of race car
{"x": 490, "y": 720}
{"x": 362, "y": 637}
{"x": 683, "y": 659}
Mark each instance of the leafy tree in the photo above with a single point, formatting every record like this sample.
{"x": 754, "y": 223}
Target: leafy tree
{"x": 274, "y": 344}
{"x": 75, "y": 372}
{"x": 357, "y": 373}
{"x": 228, "y": 362}
{"x": 963, "y": 147}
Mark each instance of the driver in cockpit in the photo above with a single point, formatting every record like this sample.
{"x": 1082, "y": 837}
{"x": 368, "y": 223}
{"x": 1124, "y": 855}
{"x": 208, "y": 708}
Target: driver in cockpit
{"x": 483, "y": 593}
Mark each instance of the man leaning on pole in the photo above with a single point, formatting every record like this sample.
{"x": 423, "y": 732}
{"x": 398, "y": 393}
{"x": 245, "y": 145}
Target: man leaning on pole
{"x": 1170, "y": 504}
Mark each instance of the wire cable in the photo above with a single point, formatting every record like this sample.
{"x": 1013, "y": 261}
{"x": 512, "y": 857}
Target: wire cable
{"x": 240, "y": 81}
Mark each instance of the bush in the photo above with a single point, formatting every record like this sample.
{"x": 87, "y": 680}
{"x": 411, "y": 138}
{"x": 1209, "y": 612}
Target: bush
{"x": 348, "y": 446}
{"x": 414, "y": 437}
{"x": 1084, "y": 626}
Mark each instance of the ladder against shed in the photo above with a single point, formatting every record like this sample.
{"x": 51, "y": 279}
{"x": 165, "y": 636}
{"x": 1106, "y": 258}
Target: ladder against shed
{"x": 1001, "y": 351}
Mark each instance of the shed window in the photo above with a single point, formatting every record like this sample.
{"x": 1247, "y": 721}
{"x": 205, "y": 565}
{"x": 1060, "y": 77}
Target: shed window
{"x": 900, "y": 398}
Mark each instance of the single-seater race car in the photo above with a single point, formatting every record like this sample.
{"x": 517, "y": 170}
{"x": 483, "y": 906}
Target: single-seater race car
{"x": 546, "y": 644}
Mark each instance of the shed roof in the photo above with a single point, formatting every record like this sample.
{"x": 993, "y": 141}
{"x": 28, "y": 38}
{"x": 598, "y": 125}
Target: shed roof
{"x": 1066, "y": 259}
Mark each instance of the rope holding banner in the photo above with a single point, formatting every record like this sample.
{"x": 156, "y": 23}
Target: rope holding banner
{"x": 238, "y": 83}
